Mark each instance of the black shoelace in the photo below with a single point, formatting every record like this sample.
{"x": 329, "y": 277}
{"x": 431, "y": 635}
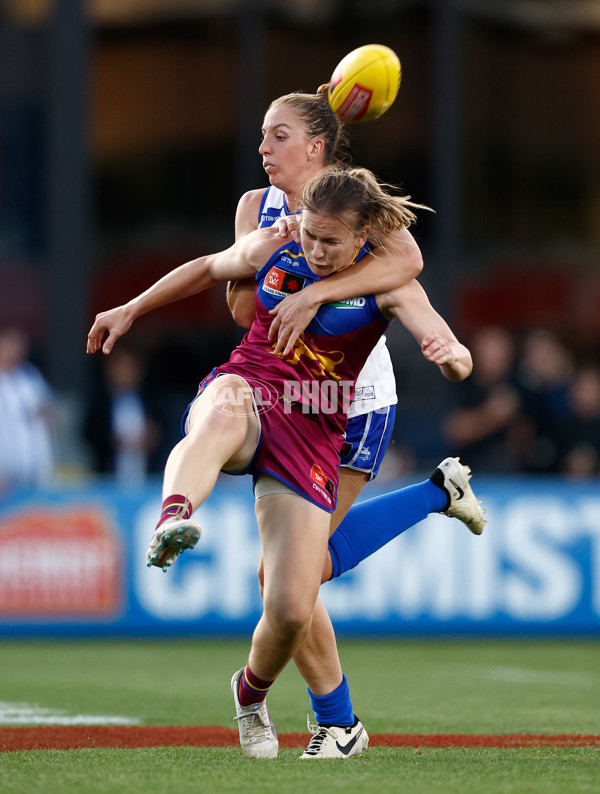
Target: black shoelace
{"x": 316, "y": 742}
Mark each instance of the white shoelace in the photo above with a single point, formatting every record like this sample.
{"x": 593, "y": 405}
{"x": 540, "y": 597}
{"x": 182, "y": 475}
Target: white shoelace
{"x": 254, "y": 722}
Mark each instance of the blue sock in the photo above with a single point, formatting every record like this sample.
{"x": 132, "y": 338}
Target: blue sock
{"x": 371, "y": 524}
{"x": 334, "y": 708}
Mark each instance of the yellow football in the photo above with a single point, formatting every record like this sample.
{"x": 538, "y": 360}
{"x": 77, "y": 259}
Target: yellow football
{"x": 365, "y": 83}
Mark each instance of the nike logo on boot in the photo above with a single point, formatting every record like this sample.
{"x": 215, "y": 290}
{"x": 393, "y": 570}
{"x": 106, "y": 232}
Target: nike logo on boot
{"x": 461, "y": 493}
{"x": 345, "y": 749}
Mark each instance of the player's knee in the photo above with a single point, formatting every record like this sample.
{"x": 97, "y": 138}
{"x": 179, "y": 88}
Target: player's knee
{"x": 261, "y": 577}
{"x": 288, "y": 620}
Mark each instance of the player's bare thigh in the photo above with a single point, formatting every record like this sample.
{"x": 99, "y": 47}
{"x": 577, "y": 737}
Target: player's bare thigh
{"x": 294, "y": 534}
{"x": 350, "y": 486}
{"x": 227, "y": 406}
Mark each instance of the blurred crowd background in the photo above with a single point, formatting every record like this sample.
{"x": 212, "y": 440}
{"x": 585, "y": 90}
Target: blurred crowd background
{"x": 129, "y": 129}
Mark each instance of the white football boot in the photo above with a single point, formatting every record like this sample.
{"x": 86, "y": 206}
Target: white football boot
{"x": 171, "y": 539}
{"x": 453, "y": 478}
{"x": 258, "y": 737}
{"x": 336, "y": 741}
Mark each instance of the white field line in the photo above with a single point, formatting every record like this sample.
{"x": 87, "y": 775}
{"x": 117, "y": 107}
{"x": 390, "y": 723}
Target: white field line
{"x": 523, "y": 675}
{"x": 29, "y": 714}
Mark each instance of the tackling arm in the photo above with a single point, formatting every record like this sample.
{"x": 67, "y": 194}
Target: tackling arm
{"x": 387, "y": 270}
{"x": 439, "y": 345}
{"x": 240, "y": 294}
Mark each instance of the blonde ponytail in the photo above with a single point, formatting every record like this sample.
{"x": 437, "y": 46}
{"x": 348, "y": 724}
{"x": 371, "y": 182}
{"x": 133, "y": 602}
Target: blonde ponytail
{"x": 356, "y": 192}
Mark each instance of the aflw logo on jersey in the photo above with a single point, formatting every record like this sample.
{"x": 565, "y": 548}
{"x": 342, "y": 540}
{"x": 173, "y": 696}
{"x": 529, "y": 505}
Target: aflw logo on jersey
{"x": 279, "y": 282}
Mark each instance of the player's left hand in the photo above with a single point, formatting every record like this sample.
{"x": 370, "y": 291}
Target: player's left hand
{"x": 288, "y": 225}
{"x": 438, "y": 349}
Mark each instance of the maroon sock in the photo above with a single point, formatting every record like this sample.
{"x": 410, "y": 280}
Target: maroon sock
{"x": 175, "y": 505}
{"x": 252, "y": 689}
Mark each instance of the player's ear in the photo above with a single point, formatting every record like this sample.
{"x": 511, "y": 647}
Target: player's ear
{"x": 316, "y": 148}
{"x": 362, "y": 238}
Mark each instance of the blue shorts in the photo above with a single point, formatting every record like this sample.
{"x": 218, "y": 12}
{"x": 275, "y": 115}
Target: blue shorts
{"x": 367, "y": 438}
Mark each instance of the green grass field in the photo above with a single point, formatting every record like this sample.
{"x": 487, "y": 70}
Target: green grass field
{"x": 404, "y": 686}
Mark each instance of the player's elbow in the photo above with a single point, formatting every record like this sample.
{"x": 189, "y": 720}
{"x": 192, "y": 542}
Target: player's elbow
{"x": 415, "y": 264}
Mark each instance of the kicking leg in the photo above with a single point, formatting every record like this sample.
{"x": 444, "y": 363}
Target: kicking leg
{"x": 223, "y": 433}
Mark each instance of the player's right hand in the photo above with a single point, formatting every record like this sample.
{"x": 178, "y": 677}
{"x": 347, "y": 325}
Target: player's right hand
{"x": 112, "y": 324}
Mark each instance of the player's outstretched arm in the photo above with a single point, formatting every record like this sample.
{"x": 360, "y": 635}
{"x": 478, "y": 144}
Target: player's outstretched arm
{"x": 439, "y": 345}
{"x": 383, "y": 271}
{"x": 241, "y": 260}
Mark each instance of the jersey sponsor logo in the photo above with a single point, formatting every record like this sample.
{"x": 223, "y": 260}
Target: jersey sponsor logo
{"x": 323, "y": 493}
{"x": 364, "y": 393}
{"x": 280, "y": 282}
{"x": 289, "y": 261}
{"x": 267, "y": 220}
{"x": 291, "y": 258}
{"x": 351, "y": 303}
{"x": 322, "y": 480}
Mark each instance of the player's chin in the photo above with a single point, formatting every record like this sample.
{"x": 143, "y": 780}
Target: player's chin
{"x": 321, "y": 270}
{"x": 272, "y": 174}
